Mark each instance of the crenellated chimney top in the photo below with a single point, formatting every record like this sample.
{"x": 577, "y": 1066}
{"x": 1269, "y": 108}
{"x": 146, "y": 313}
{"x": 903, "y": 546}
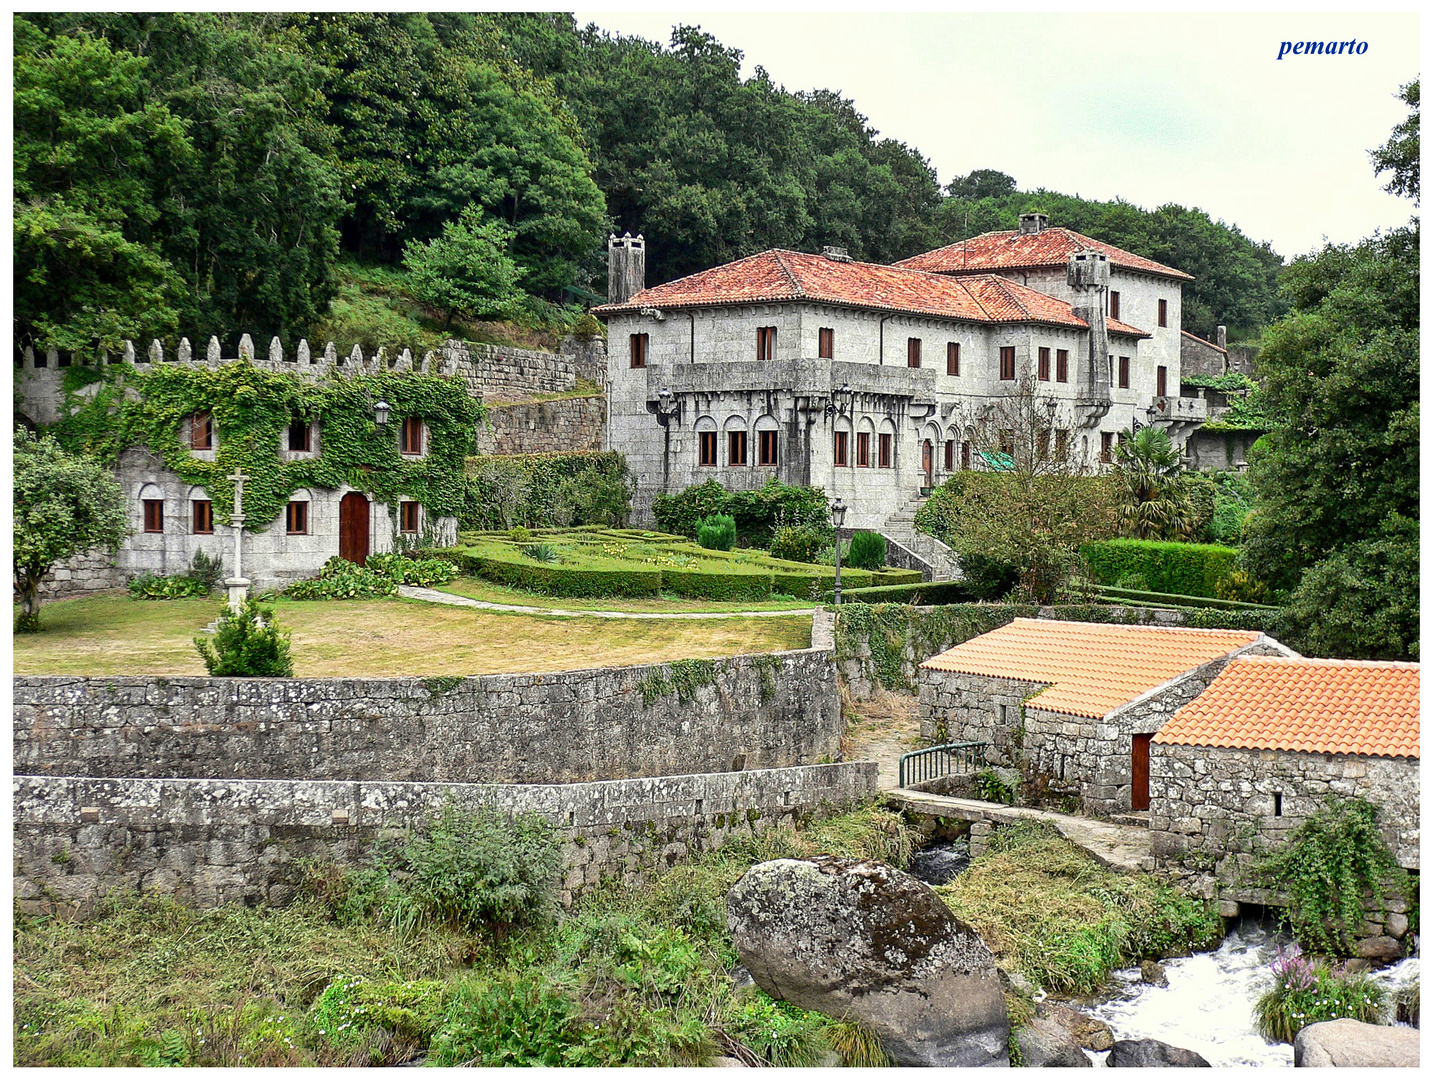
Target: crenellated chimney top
{"x": 1032, "y": 223}
{"x": 626, "y": 267}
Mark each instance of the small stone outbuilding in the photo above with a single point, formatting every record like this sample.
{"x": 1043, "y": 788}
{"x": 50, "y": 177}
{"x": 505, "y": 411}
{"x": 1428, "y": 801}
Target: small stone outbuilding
{"x": 1242, "y": 765}
{"x": 1075, "y": 704}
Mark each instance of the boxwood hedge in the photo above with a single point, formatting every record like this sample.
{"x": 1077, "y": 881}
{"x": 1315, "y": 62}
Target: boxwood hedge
{"x": 1160, "y": 566}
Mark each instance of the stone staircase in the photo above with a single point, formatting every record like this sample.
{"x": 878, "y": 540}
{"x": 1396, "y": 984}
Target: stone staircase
{"x": 914, "y": 550}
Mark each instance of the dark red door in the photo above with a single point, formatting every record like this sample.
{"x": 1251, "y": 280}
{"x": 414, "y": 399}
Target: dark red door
{"x": 1139, "y": 773}
{"x": 928, "y": 463}
{"x": 353, "y": 528}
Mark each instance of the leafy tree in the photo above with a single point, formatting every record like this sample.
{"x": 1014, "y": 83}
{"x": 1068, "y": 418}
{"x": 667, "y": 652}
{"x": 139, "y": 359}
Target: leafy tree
{"x": 247, "y": 642}
{"x": 63, "y": 506}
{"x": 1155, "y": 501}
{"x": 1400, "y": 154}
{"x": 465, "y": 271}
{"x": 981, "y": 184}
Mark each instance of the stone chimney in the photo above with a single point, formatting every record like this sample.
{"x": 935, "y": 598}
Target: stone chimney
{"x": 835, "y": 254}
{"x": 1221, "y": 336}
{"x": 1088, "y": 276}
{"x": 626, "y": 267}
{"x": 1030, "y": 224}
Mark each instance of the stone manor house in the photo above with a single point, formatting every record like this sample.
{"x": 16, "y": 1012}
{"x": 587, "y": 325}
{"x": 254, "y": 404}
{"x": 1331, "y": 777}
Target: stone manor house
{"x": 871, "y": 381}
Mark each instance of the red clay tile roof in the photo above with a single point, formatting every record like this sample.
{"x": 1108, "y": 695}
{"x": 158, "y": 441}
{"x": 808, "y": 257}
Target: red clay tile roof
{"x": 1094, "y": 668}
{"x": 1317, "y": 706}
{"x": 1013, "y": 250}
{"x": 1207, "y": 344}
{"x": 776, "y": 275}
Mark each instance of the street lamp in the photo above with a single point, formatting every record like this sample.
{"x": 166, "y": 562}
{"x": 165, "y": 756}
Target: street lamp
{"x": 838, "y": 515}
{"x": 380, "y": 412}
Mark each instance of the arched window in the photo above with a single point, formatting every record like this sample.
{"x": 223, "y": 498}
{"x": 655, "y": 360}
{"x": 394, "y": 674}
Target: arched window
{"x": 737, "y": 452}
{"x": 865, "y": 438}
{"x": 151, "y": 501}
{"x": 768, "y": 434}
{"x": 886, "y": 445}
{"x": 706, "y": 442}
{"x": 841, "y": 443}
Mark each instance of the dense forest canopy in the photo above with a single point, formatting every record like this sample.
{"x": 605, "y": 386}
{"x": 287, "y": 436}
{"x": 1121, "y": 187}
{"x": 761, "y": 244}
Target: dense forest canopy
{"x": 214, "y": 173}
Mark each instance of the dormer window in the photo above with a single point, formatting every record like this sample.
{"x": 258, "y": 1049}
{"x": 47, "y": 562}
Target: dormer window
{"x": 201, "y": 431}
{"x": 411, "y": 437}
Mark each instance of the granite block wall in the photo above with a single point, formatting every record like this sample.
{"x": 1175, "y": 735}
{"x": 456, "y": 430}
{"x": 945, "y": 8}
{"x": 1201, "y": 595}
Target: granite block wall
{"x": 566, "y": 425}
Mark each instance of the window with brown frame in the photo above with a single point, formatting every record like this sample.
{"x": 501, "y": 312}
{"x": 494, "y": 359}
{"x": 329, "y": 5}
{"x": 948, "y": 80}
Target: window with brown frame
{"x": 154, "y": 515}
{"x": 766, "y": 343}
{"x": 913, "y": 352}
{"x": 952, "y": 358}
{"x": 766, "y": 448}
{"x": 736, "y": 448}
{"x": 885, "y": 450}
{"x": 826, "y": 343}
{"x": 706, "y": 448}
{"x": 300, "y": 436}
{"x": 949, "y": 455}
{"x": 1161, "y": 381}
{"x": 296, "y": 519}
{"x": 1044, "y": 369}
{"x": 965, "y": 456}
{"x": 1042, "y": 444}
{"x": 1007, "y": 362}
{"x": 1114, "y": 304}
{"x": 863, "y": 449}
{"x": 1124, "y": 372}
{"x": 839, "y": 451}
{"x": 1062, "y": 365}
{"x": 408, "y": 517}
{"x": 1062, "y": 446}
{"x": 201, "y": 431}
{"x": 638, "y": 345}
{"x": 1164, "y": 313}
{"x": 1107, "y": 446}
{"x": 203, "y": 516}
{"x": 411, "y": 440}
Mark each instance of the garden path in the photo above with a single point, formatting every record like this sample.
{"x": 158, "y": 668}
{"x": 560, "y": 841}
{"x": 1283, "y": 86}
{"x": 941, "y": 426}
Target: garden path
{"x": 412, "y": 592}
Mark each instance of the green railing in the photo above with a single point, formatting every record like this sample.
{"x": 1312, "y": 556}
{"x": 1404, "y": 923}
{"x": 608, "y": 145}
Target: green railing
{"x": 948, "y": 759}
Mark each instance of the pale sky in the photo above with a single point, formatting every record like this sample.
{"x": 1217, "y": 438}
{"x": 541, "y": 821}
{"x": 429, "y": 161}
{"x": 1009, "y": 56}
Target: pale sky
{"x": 1156, "y": 108}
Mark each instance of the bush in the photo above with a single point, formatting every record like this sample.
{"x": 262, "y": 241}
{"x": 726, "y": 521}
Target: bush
{"x": 1309, "y": 992}
{"x": 915, "y": 593}
{"x": 757, "y": 513}
{"x": 543, "y": 553}
{"x": 717, "y": 532}
{"x": 154, "y": 587}
{"x": 988, "y": 577}
{"x": 739, "y": 583}
{"x": 587, "y": 327}
{"x": 247, "y": 643}
{"x": 513, "y": 1019}
{"x": 798, "y": 543}
{"x": 206, "y": 570}
{"x": 380, "y": 576}
{"x": 867, "y": 551}
{"x": 546, "y": 491}
{"x": 412, "y": 570}
{"x": 1164, "y": 566}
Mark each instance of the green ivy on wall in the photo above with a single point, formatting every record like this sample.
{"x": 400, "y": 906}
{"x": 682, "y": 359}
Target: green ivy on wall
{"x": 116, "y": 407}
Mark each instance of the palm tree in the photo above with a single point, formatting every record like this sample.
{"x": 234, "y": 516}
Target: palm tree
{"x": 1155, "y": 503}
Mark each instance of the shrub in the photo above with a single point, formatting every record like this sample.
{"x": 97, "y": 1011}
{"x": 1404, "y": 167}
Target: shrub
{"x": 684, "y": 512}
{"x": 867, "y": 551}
{"x": 780, "y": 1033}
{"x": 520, "y": 534}
{"x": 717, "y": 532}
{"x": 990, "y": 787}
{"x": 177, "y": 586}
{"x": 546, "y": 491}
{"x": 350, "y": 1010}
{"x": 412, "y": 570}
{"x": 513, "y": 1019}
{"x": 1309, "y": 992}
{"x": 1164, "y": 566}
{"x": 206, "y": 570}
{"x": 757, "y": 513}
{"x": 986, "y": 576}
{"x": 248, "y": 642}
{"x": 543, "y": 553}
{"x": 380, "y": 576}
{"x": 798, "y": 543}
{"x": 587, "y": 327}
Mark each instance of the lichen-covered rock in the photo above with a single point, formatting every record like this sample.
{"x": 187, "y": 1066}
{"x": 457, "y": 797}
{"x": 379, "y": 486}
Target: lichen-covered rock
{"x": 859, "y": 939}
{"x": 1152, "y": 1054}
{"x": 1152, "y": 972}
{"x": 1045, "y": 1044}
{"x": 1086, "y": 1031}
{"x": 1349, "y": 1044}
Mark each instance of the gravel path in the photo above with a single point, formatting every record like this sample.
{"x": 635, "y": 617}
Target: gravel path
{"x": 434, "y": 596}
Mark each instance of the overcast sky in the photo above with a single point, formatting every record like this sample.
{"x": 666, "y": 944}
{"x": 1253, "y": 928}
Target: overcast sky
{"x": 1192, "y": 109}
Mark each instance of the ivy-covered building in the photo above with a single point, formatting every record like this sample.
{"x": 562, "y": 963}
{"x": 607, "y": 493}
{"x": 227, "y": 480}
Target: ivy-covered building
{"x": 340, "y": 457}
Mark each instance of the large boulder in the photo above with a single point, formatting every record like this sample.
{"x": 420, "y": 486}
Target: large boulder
{"x": 1086, "y": 1031}
{"x": 1045, "y": 1044}
{"x": 1152, "y": 1054}
{"x": 1354, "y": 1044}
{"x": 858, "y": 939}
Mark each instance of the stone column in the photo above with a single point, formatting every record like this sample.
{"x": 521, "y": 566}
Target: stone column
{"x": 238, "y": 585}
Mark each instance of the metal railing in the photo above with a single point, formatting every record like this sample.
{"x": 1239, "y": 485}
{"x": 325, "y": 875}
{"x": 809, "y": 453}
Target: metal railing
{"x": 948, "y": 759}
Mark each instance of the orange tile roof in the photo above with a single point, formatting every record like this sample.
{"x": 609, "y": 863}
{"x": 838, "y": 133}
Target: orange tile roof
{"x": 1317, "y": 706}
{"x": 1093, "y": 668}
{"x": 1207, "y": 344}
{"x": 1013, "y": 250}
{"x": 777, "y": 275}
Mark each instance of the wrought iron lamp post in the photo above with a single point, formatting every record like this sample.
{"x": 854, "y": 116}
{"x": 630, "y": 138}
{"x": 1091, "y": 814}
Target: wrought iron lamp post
{"x": 838, "y": 515}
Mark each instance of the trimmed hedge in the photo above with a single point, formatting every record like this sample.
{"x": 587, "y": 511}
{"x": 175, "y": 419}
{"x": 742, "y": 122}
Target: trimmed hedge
{"x": 561, "y": 579}
{"x": 917, "y": 594}
{"x": 1159, "y": 599}
{"x": 888, "y": 576}
{"x": 1164, "y": 566}
{"x": 738, "y": 583}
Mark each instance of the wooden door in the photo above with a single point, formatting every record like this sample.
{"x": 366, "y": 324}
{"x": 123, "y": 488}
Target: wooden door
{"x": 353, "y": 528}
{"x": 1139, "y": 773}
{"x": 928, "y": 463}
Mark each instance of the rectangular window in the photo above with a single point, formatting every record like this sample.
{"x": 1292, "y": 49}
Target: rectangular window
{"x": 1062, "y": 365}
{"x": 1114, "y": 304}
{"x": 949, "y": 455}
{"x": 203, "y": 516}
{"x": 1042, "y": 444}
{"x": 639, "y": 350}
{"x": 766, "y": 447}
{"x": 1124, "y": 372}
{"x": 201, "y": 431}
{"x": 1062, "y": 446}
{"x": 1044, "y": 365}
{"x": 706, "y": 448}
{"x": 1107, "y": 446}
{"x": 154, "y": 515}
{"x": 863, "y": 449}
{"x": 1164, "y": 313}
{"x": 408, "y": 517}
{"x": 412, "y": 437}
{"x": 952, "y": 358}
{"x": 1007, "y": 362}
{"x": 839, "y": 452}
{"x": 826, "y": 343}
{"x": 736, "y": 448}
{"x": 913, "y": 352}
{"x": 1161, "y": 381}
{"x": 965, "y": 455}
{"x": 885, "y": 450}
{"x": 296, "y": 519}
{"x": 766, "y": 343}
{"x": 1007, "y": 441}
{"x": 300, "y": 438}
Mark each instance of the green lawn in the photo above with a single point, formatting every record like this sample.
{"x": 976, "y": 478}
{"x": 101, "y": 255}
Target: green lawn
{"x": 481, "y": 589}
{"x": 114, "y": 635}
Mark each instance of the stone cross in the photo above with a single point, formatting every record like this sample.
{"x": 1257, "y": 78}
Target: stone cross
{"x": 238, "y": 585}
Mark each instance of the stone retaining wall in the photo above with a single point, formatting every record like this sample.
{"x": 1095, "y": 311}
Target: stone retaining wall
{"x": 208, "y": 842}
{"x": 566, "y": 425}
{"x": 90, "y": 571}
{"x": 756, "y": 711}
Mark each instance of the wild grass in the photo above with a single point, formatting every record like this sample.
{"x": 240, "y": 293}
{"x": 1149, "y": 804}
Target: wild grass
{"x": 113, "y": 635}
